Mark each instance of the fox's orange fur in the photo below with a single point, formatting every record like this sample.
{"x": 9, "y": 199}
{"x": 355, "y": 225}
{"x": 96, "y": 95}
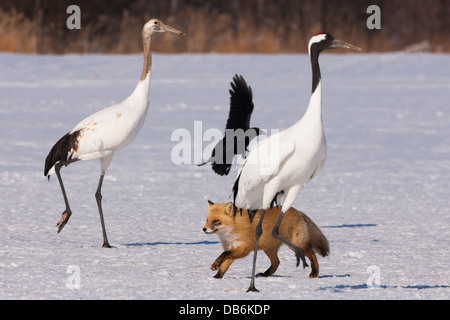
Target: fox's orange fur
{"x": 237, "y": 236}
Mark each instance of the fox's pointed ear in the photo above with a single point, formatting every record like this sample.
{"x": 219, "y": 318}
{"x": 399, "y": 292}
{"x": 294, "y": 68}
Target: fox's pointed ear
{"x": 210, "y": 203}
{"x": 229, "y": 208}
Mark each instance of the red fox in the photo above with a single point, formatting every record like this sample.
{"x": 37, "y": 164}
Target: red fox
{"x": 237, "y": 235}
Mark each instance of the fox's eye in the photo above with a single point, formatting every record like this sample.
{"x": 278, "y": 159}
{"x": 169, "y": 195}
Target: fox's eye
{"x": 217, "y": 223}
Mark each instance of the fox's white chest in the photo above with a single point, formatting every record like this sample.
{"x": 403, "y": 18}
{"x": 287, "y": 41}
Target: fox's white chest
{"x": 228, "y": 239}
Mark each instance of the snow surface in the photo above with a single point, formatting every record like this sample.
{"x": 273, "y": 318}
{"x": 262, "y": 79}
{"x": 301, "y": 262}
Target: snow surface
{"x": 382, "y": 198}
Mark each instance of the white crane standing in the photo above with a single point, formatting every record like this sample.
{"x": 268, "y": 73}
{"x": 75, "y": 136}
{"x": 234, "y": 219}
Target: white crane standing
{"x": 280, "y": 166}
{"x": 100, "y": 135}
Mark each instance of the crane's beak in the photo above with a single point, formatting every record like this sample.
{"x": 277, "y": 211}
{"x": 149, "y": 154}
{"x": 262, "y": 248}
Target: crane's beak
{"x": 341, "y": 44}
{"x": 170, "y": 29}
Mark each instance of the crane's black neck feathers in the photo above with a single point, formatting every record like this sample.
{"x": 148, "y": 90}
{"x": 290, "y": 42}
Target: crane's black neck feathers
{"x": 314, "y": 52}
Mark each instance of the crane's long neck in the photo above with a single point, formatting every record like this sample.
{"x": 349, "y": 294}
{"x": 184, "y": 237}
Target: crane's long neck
{"x": 315, "y": 103}
{"x": 147, "y": 56}
{"x": 140, "y": 95}
{"x": 316, "y": 78}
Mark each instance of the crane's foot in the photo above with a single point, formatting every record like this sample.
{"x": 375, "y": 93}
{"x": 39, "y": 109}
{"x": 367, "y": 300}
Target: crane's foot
{"x": 107, "y": 245}
{"x": 252, "y": 288}
{"x": 64, "y": 219}
{"x": 299, "y": 254}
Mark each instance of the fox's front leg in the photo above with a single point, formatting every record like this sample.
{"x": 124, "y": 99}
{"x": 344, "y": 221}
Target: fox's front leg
{"x": 223, "y": 268}
{"x": 224, "y": 261}
{"x": 216, "y": 265}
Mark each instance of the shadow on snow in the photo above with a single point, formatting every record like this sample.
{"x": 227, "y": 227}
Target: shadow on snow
{"x": 342, "y": 287}
{"x": 359, "y": 225}
{"x": 141, "y": 244}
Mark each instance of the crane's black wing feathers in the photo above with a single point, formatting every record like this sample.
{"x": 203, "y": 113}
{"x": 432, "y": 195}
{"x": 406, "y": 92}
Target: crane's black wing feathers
{"x": 61, "y": 150}
{"x": 241, "y": 104}
{"x": 241, "y": 108}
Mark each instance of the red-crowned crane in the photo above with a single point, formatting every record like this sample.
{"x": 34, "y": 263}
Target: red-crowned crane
{"x": 281, "y": 165}
{"x": 100, "y": 135}
{"x": 238, "y": 133}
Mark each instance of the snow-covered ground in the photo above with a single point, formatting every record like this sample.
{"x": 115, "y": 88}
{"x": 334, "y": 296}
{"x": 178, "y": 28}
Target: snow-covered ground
{"x": 382, "y": 198}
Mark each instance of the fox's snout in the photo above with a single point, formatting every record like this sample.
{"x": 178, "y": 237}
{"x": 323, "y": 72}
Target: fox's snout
{"x": 212, "y": 226}
{"x": 208, "y": 230}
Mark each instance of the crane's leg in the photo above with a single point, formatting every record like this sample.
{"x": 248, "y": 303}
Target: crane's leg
{"x": 299, "y": 254}
{"x": 98, "y": 197}
{"x": 258, "y": 235}
{"x": 68, "y": 212}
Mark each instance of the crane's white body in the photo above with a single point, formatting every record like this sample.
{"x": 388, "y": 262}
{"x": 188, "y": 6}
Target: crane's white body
{"x": 285, "y": 161}
{"x": 113, "y": 128}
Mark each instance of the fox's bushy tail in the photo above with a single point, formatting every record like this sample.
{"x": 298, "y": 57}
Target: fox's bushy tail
{"x": 317, "y": 239}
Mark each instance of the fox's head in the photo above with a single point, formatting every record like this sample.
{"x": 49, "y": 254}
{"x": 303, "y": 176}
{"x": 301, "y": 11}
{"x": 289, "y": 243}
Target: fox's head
{"x": 219, "y": 217}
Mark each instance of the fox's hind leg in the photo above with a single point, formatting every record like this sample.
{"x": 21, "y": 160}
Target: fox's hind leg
{"x": 272, "y": 253}
{"x": 299, "y": 254}
{"x": 309, "y": 253}
{"x": 314, "y": 263}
